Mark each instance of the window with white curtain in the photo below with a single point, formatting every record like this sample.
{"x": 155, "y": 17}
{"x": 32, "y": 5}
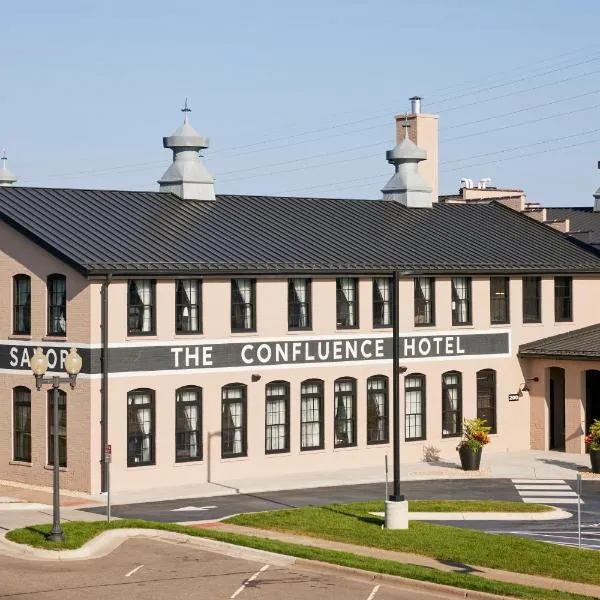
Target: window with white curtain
{"x": 57, "y": 305}
{"x": 424, "y": 292}
{"x": 347, "y": 302}
{"x": 140, "y": 428}
{"x": 451, "y": 404}
{"x": 22, "y": 424}
{"x": 140, "y": 307}
{"x": 243, "y": 305}
{"x": 414, "y": 407}
{"x": 311, "y": 415}
{"x": 461, "y": 301}
{"x": 377, "y": 410}
{"x": 299, "y": 303}
{"x": 22, "y": 305}
{"x": 499, "y": 300}
{"x": 188, "y": 424}
{"x": 233, "y": 421}
{"x": 344, "y": 412}
{"x": 277, "y": 424}
{"x": 382, "y": 302}
{"x": 188, "y": 306}
{"x": 62, "y": 428}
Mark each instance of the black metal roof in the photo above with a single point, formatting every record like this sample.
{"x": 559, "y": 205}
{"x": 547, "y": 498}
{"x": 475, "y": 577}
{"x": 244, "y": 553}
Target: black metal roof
{"x": 584, "y": 223}
{"x": 580, "y": 344}
{"x": 100, "y": 231}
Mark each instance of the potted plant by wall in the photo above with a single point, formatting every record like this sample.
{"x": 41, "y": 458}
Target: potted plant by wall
{"x": 474, "y": 438}
{"x": 592, "y": 443}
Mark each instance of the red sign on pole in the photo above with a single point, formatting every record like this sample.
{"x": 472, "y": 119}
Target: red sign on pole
{"x": 107, "y": 449}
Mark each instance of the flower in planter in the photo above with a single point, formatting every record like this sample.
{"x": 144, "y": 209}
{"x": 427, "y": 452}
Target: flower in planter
{"x": 592, "y": 439}
{"x": 475, "y": 434}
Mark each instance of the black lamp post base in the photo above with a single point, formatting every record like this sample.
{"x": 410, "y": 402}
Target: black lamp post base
{"x": 56, "y": 536}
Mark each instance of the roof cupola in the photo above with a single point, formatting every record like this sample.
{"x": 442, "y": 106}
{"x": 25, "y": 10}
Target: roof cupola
{"x": 6, "y": 177}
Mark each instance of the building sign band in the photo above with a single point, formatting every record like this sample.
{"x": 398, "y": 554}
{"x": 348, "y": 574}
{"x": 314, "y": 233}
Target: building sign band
{"x": 249, "y": 354}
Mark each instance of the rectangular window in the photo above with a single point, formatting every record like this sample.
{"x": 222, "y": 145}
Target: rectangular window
{"x": 188, "y": 424}
{"x": 141, "y": 319}
{"x": 243, "y": 305}
{"x": 22, "y": 305}
{"x": 461, "y": 301}
{"x": 377, "y": 410}
{"x": 188, "y": 306}
{"x": 347, "y": 302}
{"x": 57, "y": 305}
{"x": 345, "y": 413}
{"x": 499, "y": 300}
{"x": 414, "y": 403}
{"x": 299, "y": 303}
{"x": 424, "y": 301}
{"x": 532, "y": 300}
{"x": 486, "y": 397}
{"x": 311, "y": 415}
{"x": 62, "y": 428}
{"x": 382, "y": 302}
{"x": 22, "y": 424}
{"x": 140, "y": 428}
{"x": 451, "y": 404}
{"x": 233, "y": 421}
{"x": 277, "y": 422}
{"x": 563, "y": 299}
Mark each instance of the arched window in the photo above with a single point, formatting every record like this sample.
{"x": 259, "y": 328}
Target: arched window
{"x": 377, "y": 410}
{"x": 140, "y": 428}
{"x": 486, "y": 397}
{"x": 22, "y": 424}
{"x": 277, "y": 421}
{"x": 234, "y": 433}
{"x": 62, "y": 428}
{"x": 22, "y": 305}
{"x": 311, "y": 415}
{"x": 344, "y": 416}
{"x": 57, "y": 304}
{"x": 414, "y": 407}
{"x": 451, "y": 404}
{"x": 188, "y": 424}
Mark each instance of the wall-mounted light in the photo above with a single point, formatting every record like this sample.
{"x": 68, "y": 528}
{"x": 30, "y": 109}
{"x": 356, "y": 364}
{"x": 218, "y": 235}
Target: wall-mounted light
{"x": 255, "y": 377}
{"x": 523, "y": 387}
{"x": 402, "y": 369}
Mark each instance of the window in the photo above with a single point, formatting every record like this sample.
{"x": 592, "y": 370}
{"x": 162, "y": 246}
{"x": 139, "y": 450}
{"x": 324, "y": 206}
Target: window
{"x": 243, "y": 305}
{"x": 451, "y": 404}
{"x": 299, "y": 307}
{"x": 563, "y": 298}
{"x": 141, "y": 313}
{"x": 188, "y": 424}
{"x": 140, "y": 428}
{"x": 532, "y": 300}
{"x": 62, "y": 428}
{"x": 377, "y": 409}
{"x": 188, "y": 306}
{"x": 21, "y": 305}
{"x": 424, "y": 301}
{"x": 414, "y": 406}
{"x": 499, "y": 300}
{"x": 486, "y": 397}
{"x": 461, "y": 301}
{"x": 347, "y": 302}
{"x": 233, "y": 421}
{"x": 382, "y": 302}
{"x": 277, "y": 422}
{"x": 22, "y": 424}
{"x": 311, "y": 415}
{"x": 57, "y": 305}
{"x": 344, "y": 413}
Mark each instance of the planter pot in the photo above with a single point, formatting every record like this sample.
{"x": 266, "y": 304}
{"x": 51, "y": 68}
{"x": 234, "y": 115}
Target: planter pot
{"x": 595, "y": 460}
{"x": 470, "y": 459}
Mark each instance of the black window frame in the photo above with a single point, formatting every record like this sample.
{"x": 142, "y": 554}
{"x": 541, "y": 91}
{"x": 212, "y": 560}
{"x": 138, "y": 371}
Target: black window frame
{"x": 183, "y": 436}
{"x": 421, "y": 304}
{"x": 286, "y": 424}
{"x": 532, "y": 305}
{"x": 243, "y": 400}
{"x": 136, "y": 438}
{"x": 380, "y": 303}
{"x": 320, "y": 398}
{"x": 56, "y": 310}
{"x": 377, "y": 423}
{"x": 136, "y": 310}
{"x": 487, "y": 403}
{"x": 295, "y": 305}
{"x": 563, "y": 299}
{"x": 21, "y": 307}
{"x": 457, "y": 302}
{"x": 408, "y": 425}
{"x": 182, "y": 304}
{"x": 337, "y": 421}
{"x": 459, "y": 404}
{"x": 21, "y": 434}
{"x": 62, "y": 439}
{"x": 344, "y": 307}
{"x": 500, "y": 300}
{"x": 238, "y": 306}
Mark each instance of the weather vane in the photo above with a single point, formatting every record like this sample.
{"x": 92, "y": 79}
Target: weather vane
{"x": 185, "y": 110}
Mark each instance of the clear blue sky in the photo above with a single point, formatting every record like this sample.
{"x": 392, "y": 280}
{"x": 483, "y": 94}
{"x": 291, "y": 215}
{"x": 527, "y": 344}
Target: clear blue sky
{"x": 299, "y": 96}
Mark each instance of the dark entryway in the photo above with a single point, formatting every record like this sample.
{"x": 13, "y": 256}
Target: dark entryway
{"x": 592, "y": 397}
{"x": 557, "y": 409}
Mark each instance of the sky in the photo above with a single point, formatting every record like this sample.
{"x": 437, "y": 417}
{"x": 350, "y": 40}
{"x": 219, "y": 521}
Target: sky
{"x": 299, "y": 98}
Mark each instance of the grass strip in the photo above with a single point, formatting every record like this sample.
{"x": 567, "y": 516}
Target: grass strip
{"x": 474, "y": 506}
{"x": 79, "y": 532}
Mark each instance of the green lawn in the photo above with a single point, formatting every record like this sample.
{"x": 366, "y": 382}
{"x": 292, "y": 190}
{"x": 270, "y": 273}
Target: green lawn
{"x": 472, "y": 506}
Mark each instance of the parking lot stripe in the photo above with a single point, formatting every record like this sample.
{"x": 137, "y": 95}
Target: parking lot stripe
{"x": 373, "y": 592}
{"x": 249, "y": 580}
{"x": 133, "y": 571}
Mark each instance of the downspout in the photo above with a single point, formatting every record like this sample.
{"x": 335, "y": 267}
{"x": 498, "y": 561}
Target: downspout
{"x": 104, "y": 385}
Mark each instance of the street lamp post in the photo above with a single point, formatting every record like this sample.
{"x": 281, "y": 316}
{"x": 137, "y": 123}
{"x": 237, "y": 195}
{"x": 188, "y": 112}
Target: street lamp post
{"x": 39, "y": 366}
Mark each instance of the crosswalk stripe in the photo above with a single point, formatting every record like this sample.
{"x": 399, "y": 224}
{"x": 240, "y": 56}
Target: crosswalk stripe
{"x": 545, "y": 493}
{"x": 538, "y": 480}
{"x": 542, "y": 500}
{"x": 543, "y": 487}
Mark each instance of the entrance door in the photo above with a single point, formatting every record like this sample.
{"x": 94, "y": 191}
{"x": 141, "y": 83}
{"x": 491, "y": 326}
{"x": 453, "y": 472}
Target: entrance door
{"x": 557, "y": 409}
{"x": 592, "y": 397}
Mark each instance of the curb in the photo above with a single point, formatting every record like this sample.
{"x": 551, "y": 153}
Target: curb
{"x": 548, "y": 515}
{"x": 8, "y": 506}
